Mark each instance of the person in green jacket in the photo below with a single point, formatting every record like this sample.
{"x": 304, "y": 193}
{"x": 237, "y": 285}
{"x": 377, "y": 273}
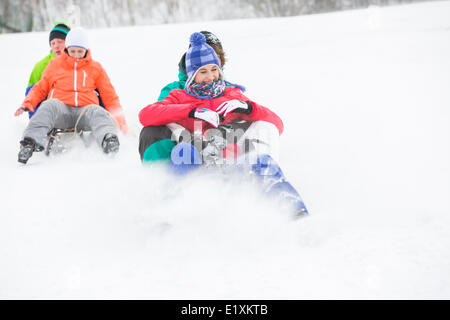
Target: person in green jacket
{"x": 155, "y": 142}
{"x": 57, "y": 41}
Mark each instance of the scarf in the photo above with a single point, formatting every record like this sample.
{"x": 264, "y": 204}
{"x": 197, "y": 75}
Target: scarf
{"x": 206, "y": 91}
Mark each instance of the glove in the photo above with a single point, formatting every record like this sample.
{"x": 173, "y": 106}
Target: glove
{"x": 206, "y": 115}
{"x": 116, "y": 112}
{"x": 23, "y": 108}
{"x": 234, "y": 106}
{"x": 121, "y": 122}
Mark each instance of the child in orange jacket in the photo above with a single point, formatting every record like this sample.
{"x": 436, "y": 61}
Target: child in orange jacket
{"x": 69, "y": 84}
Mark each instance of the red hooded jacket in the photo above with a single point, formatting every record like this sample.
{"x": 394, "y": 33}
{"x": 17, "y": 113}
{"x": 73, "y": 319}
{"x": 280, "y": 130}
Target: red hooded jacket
{"x": 178, "y": 104}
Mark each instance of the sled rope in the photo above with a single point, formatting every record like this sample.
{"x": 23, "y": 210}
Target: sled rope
{"x": 75, "y": 135}
{"x": 78, "y": 120}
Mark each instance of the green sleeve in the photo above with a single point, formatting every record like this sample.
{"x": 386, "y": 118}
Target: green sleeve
{"x": 174, "y": 85}
{"x": 166, "y": 90}
{"x": 39, "y": 68}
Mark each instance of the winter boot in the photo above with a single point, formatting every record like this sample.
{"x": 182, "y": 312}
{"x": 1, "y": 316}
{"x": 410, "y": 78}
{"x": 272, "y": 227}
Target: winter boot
{"x": 275, "y": 184}
{"x": 27, "y": 147}
{"x": 110, "y": 143}
{"x": 212, "y": 150}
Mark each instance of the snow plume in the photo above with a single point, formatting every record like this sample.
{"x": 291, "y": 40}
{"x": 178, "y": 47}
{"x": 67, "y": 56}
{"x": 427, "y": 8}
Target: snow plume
{"x": 94, "y": 228}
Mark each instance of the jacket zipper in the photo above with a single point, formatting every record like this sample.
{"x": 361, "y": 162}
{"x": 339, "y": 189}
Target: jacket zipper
{"x": 84, "y": 78}
{"x": 75, "y": 84}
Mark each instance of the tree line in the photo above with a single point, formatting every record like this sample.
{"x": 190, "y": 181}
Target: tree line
{"x": 39, "y": 15}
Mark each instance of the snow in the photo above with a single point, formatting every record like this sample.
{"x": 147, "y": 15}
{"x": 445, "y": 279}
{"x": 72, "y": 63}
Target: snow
{"x": 365, "y": 102}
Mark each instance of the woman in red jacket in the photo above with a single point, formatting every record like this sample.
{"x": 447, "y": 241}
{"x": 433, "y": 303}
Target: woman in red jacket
{"x": 68, "y": 83}
{"x": 207, "y": 103}
{"x": 219, "y": 125}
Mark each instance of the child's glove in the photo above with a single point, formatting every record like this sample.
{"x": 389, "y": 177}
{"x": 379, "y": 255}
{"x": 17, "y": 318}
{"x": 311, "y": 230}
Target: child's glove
{"x": 122, "y": 122}
{"x": 234, "y": 106}
{"x": 206, "y": 115}
{"x": 23, "y": 108}
{"x": 119, "y": 118}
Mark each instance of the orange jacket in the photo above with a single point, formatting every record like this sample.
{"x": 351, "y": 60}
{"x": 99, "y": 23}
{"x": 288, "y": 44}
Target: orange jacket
{"x": 73, "y": 81}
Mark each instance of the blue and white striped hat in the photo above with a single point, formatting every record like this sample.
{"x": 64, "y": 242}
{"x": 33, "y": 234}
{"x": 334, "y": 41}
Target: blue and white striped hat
{"x": 198, "y": 55}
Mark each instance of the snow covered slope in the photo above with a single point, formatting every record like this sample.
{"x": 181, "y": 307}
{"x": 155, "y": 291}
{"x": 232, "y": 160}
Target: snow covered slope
{"x": 364, "y": 96}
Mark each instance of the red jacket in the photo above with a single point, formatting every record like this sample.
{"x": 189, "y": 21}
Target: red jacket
{"x": 178, "y": 104}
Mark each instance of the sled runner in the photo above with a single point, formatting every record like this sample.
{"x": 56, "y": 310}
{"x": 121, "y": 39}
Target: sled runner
{"x": 59, "y": 139}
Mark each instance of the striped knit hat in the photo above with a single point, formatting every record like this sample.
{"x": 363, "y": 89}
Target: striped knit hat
{"x": 59, "y": 31}
{"x": 198, "y": 55}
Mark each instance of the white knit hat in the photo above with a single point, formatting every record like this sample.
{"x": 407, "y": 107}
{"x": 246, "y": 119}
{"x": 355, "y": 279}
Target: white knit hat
{"x": 77, "y": 37}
